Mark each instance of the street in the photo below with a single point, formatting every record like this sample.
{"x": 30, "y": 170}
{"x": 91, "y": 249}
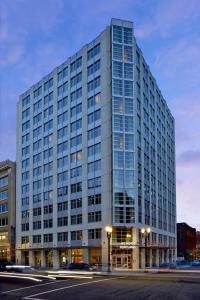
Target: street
{"x": 100, "y": 288}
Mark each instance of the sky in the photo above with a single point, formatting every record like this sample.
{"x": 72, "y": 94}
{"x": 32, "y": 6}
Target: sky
{"x": 38, "y": 35}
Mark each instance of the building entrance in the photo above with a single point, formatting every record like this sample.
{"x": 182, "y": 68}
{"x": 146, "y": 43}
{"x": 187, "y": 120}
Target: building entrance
{"x": 122, "y": 259}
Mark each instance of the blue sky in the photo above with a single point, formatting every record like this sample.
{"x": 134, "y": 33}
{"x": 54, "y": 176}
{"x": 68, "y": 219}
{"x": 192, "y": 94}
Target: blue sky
{"x": 38, "y": 35}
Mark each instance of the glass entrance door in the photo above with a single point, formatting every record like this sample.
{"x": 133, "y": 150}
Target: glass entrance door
{"x": 122, "y": 261}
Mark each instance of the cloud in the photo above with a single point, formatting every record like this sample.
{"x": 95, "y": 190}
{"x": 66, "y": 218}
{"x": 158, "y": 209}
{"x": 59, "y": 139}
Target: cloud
{"x": 189, "y": 158}
{"x": 164, "y": 17}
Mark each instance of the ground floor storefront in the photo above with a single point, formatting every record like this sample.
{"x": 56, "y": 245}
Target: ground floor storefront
{"x": 122, "y": 257}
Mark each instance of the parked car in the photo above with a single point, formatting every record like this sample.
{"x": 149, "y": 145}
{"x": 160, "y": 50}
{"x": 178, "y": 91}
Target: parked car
{"x": 168, "y": 266}
{"x": 195, "y": 263}
{"x": 79, "y": 266}
{"x": 19, "y": 268}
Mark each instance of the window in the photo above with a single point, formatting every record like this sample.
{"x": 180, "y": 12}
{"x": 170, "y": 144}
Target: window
{"x": 76, "y": 141}
{"x": 62, "y": 236}
{"x": 48, "y": 181}
{"x": 62, "y": 176}
{"x": 62, "y": 89}
{"x": 128, "y": 124}
{"x": 26, "y": 101}
{"x": 63, "y": 221}
{"x": 48, "y": 154}
{"x": 76, "y": 79}
{"x": 117, "y": 51}
{"x": 76, "y": 172}
{"x": 119, "y": 214}
{"x": 62, "y": 162}
{"x": 48, "y": 167}
{"x": 37, "y": 146}
{"x": 25, "y": 239}
{"x": 76, "y": 157}
{"x": 37, "y": 185}
{"x": 76, "y": 219}
{"x": 128, "y": 88}
{"x": 94, "y": 67}
{"x": 25, "y": 227}
{"x": 118, "y": 159}
{"x": 48, "y": 196}
{"x": 118, "y": 123}
{"x": 76, "y": 125}
{"x": 76, "y": 203}
{"x": 3, "y": 237}
{"x": 48, "y": 84}
{"x": 118, "y": 104}
{"x": 117, "y": 69}
{"x": 94, "y": 234}
{"x": 62, "y": 147}
{"x": 94, "y": 216}
{"x": 94, "y": 182}
{"x": 94, "y": 133}
{"x": 26, "y": 138}
{"x": 48, "y": 99}
{"x": 25, "y": 113}
{"x": 63, "y": 73}
{"x": 3, "y": 222}
{"x": 37, "y": 211}
{"x": 76, "y": 235}
{"x": 62, "y": 191}
{"x": 37, "y": 92}
{"x": 48, "y": 125}
{"x": 94, "y": 199}
{"x": 128, "y": 106}
{"x": 26, "y": 125}
{"x": 117, "y": 33}
{"x": 94, "y": 100}
{"x": 48, "y": 209}
{"x": 118, "y": 141}
{"x": 117, "y": 87}
{"x": 128, "y": 54}
{"x": 48, "y": 238}
{"x": 25, "y": 201}
{"x": 37, "y": 239}
{"x": 94, "y": 166}
{"x": 37, "y": 198}
{"x": 76, "y": 95}
{"x": 37, "y": 119}
{"x": 4, "y": 195}
{"x": 93, "y": 52}
{"x": 37, "y": 132}
{"x": 62, "y": 133}
{"x": 37, "y": 106}
{"x": 24, "y": 214}
{"x": 76, "y": 187}
{"x": 48, "y": 112}
{"x": 76, "y": 64}
{"x": 94, "y": 150}
{"x": 93, "y": 84}
{"x": 128, "y": 35}
{"x": 63, "y": 206}
{"x": 128, "y": 71}
{"x": 94, "y": 116}
{"x": 62, "y": 103}
{"x": 76, "y": 110}
{"x": 48, "y": 223}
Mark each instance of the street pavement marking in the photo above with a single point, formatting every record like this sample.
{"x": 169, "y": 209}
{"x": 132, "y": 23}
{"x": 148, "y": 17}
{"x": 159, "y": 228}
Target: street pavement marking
{"x": 32, "y": 297}
{"x": 29, "y": 287}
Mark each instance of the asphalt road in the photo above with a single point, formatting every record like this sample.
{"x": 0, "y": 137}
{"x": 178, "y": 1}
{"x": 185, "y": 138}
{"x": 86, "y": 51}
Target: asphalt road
{"x": 99, "y": 288}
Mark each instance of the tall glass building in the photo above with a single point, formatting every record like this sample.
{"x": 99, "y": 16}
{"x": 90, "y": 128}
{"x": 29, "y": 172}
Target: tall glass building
{"x": 96, "y": 147}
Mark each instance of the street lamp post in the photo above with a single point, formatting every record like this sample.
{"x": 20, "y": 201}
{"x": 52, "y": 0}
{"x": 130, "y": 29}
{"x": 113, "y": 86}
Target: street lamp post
{"x": 109, "y": 233}
{"x": 145, "y": 233}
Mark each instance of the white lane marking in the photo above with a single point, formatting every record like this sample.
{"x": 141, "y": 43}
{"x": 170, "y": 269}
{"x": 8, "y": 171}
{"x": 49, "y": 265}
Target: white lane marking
{"x": 69, "y": 287}
{"x": 20, "y": 277}
{"x": 32, "y": 286}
